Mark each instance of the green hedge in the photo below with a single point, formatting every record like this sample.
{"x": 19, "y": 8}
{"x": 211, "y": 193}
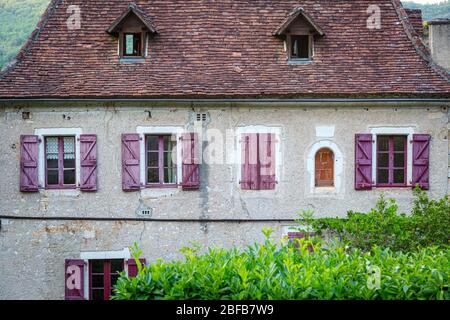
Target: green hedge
{"x": 427, "y": 225}
{"x": 273, "y": 271}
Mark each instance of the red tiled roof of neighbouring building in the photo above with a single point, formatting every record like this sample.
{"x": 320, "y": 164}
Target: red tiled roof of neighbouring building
{"x": 416, "y": 20}
{"x": 224, "y": 49}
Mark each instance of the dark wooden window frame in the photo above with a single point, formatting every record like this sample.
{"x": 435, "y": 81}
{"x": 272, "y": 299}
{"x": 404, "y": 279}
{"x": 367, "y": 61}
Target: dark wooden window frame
{"x": 106, "y": 278}
{"x": 142, "y": 47}
{"x": 61, "y": 167}
{"x": 161, "y": 151}
{"x": 289, "y": 39}
{"x": 391, "y": 168}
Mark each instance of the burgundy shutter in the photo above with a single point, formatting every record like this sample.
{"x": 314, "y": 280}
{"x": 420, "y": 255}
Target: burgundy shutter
{"x": 250, "y": 170}
{"x": 130, "y": 162}
{"x": 191, "y": 163}
{"x": 74, "y": 279}
{"x": 421, "y": 161}
{"x": 267, "y": 153}
{"x": 29, "y": 163}
{"x": 363, "y": 162}
{"x": 88, "y": 155}
{"x": 133, "y": 268}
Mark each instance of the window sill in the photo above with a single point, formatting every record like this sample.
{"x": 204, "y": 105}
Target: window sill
{"x": 60, "y": 192}
{"x": 299, "y": 61}
{"x": 159, "y": 192}
{"x": 131, "y": 59}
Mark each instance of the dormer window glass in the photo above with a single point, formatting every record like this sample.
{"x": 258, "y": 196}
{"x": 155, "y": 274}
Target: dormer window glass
{"x": 132, "y": 44}
{"x": 300, "y": 47}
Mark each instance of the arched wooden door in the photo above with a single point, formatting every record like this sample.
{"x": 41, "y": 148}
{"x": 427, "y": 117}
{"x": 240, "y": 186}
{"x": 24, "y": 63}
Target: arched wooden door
{"x": 324, "y": 168}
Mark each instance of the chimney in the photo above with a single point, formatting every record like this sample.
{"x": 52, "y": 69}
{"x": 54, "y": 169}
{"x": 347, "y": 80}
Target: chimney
{"x": 415, "y": 18}
{"x": 440, "y": 42}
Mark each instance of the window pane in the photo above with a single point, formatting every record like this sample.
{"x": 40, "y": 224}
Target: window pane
{"x": 399, "y": 143}
{"x": 52, "y": 177}
{"x": 153, "y": 159}
{"x": 168, "y": 161}
{"x": 52, "y": 163}
{"x": 51, "y": 146}
{"x": 383, "y": 143}
{"x": 383, "y": 176}
{"x": 383, "y": 160}
{"x": 69, "y": 176}
{"x": 129, "y": 44}
{"x": 97, "y": 281}
{"x": 153, "y": 175}
{"x": 399, "y": 160}
{"x": 97, "y": 295}
{"x": 399, "y": 176}
{"x": 116, "y": 266}
{"x": 97, "y": 266}
{"x": 170, "y": 175}
{"x": 152, "y": 143}
{"x": 170, "y": 142}
{"x": 69, "y": 148}
{"x": 69, "y": 163}
{"x": 300, "y": 47}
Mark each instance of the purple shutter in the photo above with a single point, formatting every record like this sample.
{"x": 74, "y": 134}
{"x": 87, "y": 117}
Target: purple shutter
{"x": 421, "y": 161}
{"x": 29, "y": 163}
{"x": 133, "y": 268}
{"x": 363, "y": 162}
{"x": 88, "y": 155}
{"x": 250, "y": 171}
{"x": 267, "y": 155}
{"x": 130, "y": 162}
{"x": 191, "y": 163}
{"x": 74, "y": 279}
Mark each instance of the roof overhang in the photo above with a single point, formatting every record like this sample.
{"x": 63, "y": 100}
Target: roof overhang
{"x": 298, "y": 13}
{"x": 140, "y": 14}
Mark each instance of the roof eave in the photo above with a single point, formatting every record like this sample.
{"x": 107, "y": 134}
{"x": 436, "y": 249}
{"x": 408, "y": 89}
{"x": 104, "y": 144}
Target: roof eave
{"x": 294, "y": 16}
{"x": 113, "y": 29}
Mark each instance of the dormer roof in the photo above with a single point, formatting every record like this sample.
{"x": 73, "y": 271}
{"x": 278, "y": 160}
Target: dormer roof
{"x": 139, "y": 13}
{"x": 298, "y": 13}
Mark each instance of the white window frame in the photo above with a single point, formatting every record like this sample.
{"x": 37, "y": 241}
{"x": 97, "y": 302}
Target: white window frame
{"x": 278, "y": 153}
{"x": 402, "y": 131}
{"x": 57, "y": 132}
{"x": 172, "y": 130}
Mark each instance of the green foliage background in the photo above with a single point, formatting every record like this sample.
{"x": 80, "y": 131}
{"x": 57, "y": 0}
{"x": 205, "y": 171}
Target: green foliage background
{"x": 18, "y": 18}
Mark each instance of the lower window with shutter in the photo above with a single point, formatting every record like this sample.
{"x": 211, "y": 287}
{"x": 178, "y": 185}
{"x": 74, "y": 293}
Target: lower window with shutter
{"x": 103, "y": 276}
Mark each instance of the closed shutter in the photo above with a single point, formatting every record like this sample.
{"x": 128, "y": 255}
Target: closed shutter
{"x": 133, "y": 267}
{"x": 250, "y": 172}
{"x": 421, "y": 161}
{"x": 74, "y": 279}
{"x": 363, "y": 162}
{"x": 88, "y": 155}
{"x": 191, "y": 161}
{"x": 29, "y": 163}
{"x": 267, "y": 153}
{"x": 130, "y": 162}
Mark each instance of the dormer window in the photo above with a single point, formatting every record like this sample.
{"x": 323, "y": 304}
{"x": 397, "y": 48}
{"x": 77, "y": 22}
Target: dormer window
{"x": 132, "y": 44}
{"x": 298, "y": 31}
{"x": 133, "y": 30}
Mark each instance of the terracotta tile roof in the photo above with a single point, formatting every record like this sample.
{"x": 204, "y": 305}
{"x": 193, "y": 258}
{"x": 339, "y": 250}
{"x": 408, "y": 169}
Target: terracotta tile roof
{"x": 225, "y": 48}
{"x": 416, "y": 20}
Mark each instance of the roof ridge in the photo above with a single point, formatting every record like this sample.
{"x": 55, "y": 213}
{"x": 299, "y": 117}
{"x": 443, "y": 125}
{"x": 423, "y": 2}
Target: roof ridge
{"x": 417, "y": 43}
{"x": 25, "y": 49}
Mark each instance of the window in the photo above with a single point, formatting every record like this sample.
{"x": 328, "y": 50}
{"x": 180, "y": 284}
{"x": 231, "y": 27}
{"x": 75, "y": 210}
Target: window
{"x": 300, "y": 47}
{"x": 60, "y": 162}
{"x": 161, "y": 164}
{"x": 132, "y": 45}
{"x": 391, "y": 160}
{"x": 103, "y": 275}
{"x": 324, "y": 168}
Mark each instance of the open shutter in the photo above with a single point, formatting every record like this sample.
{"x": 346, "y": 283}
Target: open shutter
{"x": 191, "y": 163}
{"x": 250, "y": 170}
{"x": 88, "y": 155}
{"x": 363, "y": 162}
{"x": 133, "y": 268}
{"x": 267, "y": 155}
{"x": 130, "y": 162}
{"x": 421, "y": 161}
{"x": 29, "y": 163}
{"x": 74, "y": 279}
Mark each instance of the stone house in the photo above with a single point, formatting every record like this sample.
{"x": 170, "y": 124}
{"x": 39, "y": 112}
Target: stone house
{"x": 165, "y": 122}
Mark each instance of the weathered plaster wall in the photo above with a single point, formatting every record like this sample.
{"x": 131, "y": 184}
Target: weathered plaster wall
{"x": 440, "y": 43}
{"x": 36, "y": 250}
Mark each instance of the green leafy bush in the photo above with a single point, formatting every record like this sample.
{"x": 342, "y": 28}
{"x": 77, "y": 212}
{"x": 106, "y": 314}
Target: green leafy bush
{"x": 270, "y": 271}
{"x": 427, "y": 225}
